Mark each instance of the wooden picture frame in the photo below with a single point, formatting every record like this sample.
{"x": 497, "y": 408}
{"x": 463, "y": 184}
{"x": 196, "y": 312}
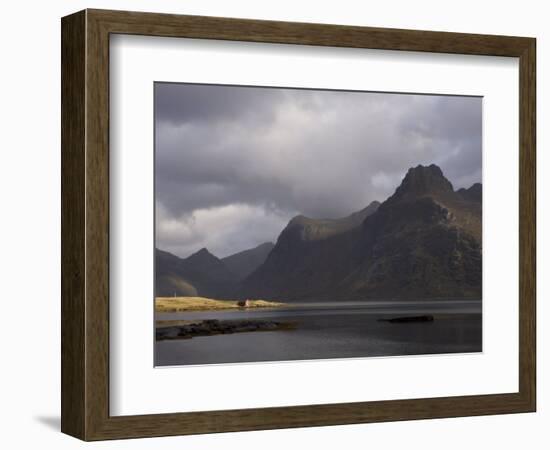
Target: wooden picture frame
{"x": 85, "y": 224}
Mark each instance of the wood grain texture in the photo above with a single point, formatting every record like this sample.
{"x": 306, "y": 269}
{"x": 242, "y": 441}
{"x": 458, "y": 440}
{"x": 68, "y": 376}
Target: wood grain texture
{"x": 85, "y": 224}
{"x": 151, "y": 24}
{"x": 527, "y": 224}
{"x": 97, "y": 225}
{"x": 73, "y": 226}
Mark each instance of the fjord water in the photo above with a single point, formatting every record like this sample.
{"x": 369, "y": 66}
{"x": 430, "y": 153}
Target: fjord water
{"x": 331, "y": 330}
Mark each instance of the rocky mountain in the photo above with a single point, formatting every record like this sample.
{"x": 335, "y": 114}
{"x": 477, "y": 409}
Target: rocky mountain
{"x": 473, "y": 193}
{"x": 200, "y": 274}
{"x": 422, "y": 242}
{"x": 244, "y": 263}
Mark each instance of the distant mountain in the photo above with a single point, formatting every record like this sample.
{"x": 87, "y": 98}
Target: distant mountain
{"x": 422, "y": 242}
{"x": 169, "y": 276}
{"x": 203, "y": 262}
{"x": 244, "y": 263}
{"x": 200, "y": 274}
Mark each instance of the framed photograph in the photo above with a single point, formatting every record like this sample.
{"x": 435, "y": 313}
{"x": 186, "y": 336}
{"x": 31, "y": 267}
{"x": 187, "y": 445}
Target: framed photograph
{"x": 272, "y": 224}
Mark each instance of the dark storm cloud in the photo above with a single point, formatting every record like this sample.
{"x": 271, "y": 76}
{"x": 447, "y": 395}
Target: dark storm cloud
{"x": 240, "y": 162}
{"x": 191, "y": 103}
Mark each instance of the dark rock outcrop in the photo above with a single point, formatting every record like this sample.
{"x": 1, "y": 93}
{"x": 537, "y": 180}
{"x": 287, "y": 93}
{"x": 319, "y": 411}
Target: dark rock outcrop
{"x": 214, "y": 327}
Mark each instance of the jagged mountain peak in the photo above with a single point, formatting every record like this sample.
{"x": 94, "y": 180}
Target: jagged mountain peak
{"x": 204, "y": 259}
{"x": 421, "y": 180}
{"x": 202, "y": 253}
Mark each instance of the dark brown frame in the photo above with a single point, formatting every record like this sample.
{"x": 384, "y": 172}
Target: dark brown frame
{"x": 85, "y": 224}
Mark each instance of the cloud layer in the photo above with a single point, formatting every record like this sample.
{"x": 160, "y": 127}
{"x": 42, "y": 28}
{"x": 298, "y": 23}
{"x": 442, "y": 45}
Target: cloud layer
{"x": 234, "y": 164}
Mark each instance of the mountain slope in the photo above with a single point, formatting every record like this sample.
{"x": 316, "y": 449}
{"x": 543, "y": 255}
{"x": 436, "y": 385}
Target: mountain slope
{"x": 318, "y": 229}
{"x": 244, "y": 263}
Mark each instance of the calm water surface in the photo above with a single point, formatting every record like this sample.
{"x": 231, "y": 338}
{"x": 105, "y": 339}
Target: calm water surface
{"x": 331, "y": 330}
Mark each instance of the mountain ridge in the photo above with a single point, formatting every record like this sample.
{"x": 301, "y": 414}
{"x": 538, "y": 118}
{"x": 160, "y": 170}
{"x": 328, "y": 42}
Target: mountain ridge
{"x": 201, "y": 273}
{"x": 423, "y": 241}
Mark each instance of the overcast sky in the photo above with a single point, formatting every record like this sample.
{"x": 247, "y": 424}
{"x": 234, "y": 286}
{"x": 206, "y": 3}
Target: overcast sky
{"x": 235, "y": 164}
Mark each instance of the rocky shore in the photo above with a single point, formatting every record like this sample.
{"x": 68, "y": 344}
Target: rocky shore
{"x": 214, "y": 327}
{"x": 409, "y": 319}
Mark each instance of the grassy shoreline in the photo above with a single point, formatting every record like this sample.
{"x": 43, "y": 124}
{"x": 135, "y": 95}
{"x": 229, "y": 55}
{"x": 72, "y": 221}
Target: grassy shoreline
{"x": 183, "y": 304}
